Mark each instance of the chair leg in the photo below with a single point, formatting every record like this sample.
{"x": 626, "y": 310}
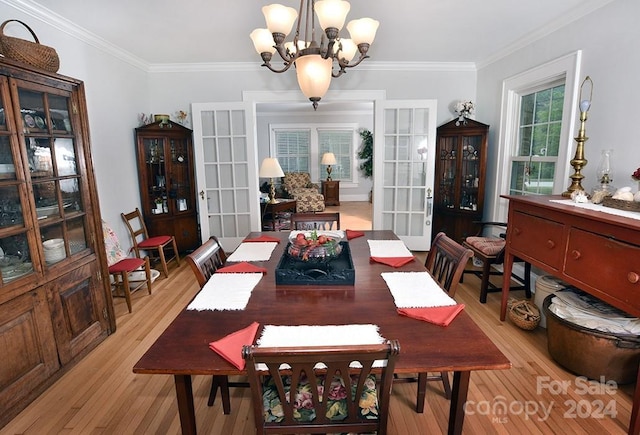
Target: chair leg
{"x": 221, "y": 382}
{"x": 163, "y": 262}
{"x": 147, "y": 271}
{"x": 175, "y": 250}
{"x": 527, "y": 279}
{"x": 126, "y": 289}
{"x": 484, "y": 286}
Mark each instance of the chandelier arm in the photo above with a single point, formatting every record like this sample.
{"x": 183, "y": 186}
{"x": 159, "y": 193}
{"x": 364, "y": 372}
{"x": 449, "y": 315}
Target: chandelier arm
{"x": 344, "y": 64}
{"x": 287, "y": 65}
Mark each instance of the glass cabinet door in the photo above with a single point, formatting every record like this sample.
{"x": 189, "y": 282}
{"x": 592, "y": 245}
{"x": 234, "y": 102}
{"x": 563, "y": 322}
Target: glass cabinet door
{"x": 470, "y": 172}
{"x": 15, "y": 255}
{"x": 51, "y": 150}
{"x": 156, "y": 177}
{"x": 181, "y": 183}
{"x": 448, "y": 171}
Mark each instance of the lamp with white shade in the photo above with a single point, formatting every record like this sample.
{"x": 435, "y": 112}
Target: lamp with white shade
{"x": 329, "y": 159}
{"x": 270, "y": 168}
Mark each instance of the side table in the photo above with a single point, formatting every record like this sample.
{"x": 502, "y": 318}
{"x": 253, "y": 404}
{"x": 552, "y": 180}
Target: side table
{"x": 274, "y": 215}
{"x": 331, "y": 192}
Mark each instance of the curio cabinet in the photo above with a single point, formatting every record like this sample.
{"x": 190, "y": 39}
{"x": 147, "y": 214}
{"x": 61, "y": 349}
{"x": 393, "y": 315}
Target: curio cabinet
{"x": 461, "y": 153}
{"x": 167, "y": 182}
{"x": 55, "y": 299}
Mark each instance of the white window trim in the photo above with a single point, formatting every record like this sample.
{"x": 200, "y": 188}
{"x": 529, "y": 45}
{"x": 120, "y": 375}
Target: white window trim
{"x": 567, "y": 67}
{"x": 314, "y": 158}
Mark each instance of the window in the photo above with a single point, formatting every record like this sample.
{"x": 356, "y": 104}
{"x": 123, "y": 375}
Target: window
{"x": 535, "y": 144}
{"x": 301, "y": 149}
{"x": 535, "y": 156}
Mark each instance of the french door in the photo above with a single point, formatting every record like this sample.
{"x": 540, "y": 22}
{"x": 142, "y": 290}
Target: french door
{"x": 404, "y": 163}
{"x": 226, "y": 171}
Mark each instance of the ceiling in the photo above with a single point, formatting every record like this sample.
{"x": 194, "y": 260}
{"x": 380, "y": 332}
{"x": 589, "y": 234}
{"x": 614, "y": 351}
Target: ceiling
{"x": 206, "y": 31}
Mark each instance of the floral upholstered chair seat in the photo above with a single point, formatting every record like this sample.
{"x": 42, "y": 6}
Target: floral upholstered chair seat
{"x": 298, "y": 186}
{"x": 336, "y": 399}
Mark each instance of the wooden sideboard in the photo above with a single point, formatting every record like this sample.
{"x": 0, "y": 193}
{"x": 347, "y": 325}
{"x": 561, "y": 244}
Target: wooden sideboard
{"x": 597, "y": 252}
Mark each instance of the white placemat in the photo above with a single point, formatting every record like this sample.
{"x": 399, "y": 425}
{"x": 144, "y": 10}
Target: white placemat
{"x": 598, "y": 207}
{"x": 320, "y": 335}
{"x": 253, "y": 251}
{"x": 226, "y": 291}
{"x": 388, "y": 248}
{"x": 415, "y": 290}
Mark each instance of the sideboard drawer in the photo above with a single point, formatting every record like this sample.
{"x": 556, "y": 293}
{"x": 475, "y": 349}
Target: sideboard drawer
{"x": 537, "y": 238}
{"x": 610, "y": 266}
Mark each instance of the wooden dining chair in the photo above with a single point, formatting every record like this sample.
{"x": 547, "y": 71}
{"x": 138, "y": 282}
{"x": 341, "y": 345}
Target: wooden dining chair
{"x": 445, "y": 261}
{"x": 156, "y": 246}
{"x": 331, "y": 397}
{"x": 204, "y": 262}
{"x": 490, "y": 251}
{"x": 315, "y": 221}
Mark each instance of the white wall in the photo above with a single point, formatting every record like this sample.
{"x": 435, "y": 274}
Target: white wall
{"x": 610, "y": 42}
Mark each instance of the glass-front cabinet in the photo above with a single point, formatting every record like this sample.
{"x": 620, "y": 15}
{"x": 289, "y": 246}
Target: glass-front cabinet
{"x": 460, "y": 177}
{"x": 167, "y": 182}
{"x": 54, "y": 290}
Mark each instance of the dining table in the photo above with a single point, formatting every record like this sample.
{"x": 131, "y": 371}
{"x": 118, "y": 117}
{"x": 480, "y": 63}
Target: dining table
{"x": 182, "y": 350}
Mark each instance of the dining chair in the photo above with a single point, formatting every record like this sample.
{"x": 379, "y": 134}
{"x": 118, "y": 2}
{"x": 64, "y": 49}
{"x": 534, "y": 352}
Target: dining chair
{"x": 157, "y": 246}
{"x": 121, "y": 267}
{"x": 333, "y": 394}
{"x": 315, "y": 221}
{"x": 490, "y": 251}
{"x": 205, "y": 261}
{"x": 445, "y": 261}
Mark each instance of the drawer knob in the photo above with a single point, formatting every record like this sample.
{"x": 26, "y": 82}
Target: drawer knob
{"x": 576, "y": 254}
{"x": 551, "y": 244}
{"x": 633, "y": 277}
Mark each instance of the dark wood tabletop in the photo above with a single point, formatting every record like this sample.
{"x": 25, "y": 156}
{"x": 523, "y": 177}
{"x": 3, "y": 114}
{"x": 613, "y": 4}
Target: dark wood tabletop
{"x": 182, "y": 349}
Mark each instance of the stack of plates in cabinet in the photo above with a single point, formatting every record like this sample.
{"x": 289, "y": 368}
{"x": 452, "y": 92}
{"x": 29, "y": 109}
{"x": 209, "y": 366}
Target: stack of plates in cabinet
{"x": 546, "y": 285}
{"x": 53, "y": 250}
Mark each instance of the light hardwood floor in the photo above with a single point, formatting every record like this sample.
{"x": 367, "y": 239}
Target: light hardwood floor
{"x": 101, "y": 395}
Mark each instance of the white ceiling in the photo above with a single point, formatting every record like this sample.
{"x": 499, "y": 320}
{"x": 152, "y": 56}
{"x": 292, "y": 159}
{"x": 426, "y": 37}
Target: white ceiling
{"x": 205, "y": 31}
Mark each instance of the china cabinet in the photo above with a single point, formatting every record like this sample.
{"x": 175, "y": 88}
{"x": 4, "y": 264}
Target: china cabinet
{"x": 55, "y": 299}
{"x": 461, "y": 153}
{"x": 167, "y": 183}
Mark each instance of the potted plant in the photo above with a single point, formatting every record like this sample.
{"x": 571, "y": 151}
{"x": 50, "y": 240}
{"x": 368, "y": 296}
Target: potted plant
{"x": 366, "y": 155}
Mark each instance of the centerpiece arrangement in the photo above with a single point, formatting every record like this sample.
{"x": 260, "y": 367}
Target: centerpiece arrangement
{"x": 314, "y": 246}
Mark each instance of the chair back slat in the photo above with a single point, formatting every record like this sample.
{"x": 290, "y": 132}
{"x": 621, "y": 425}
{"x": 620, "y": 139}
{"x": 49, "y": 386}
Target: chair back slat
{"x": 446, "y": 262}
{"x": 206, "y": 259}
{"x": 313, "y": 379}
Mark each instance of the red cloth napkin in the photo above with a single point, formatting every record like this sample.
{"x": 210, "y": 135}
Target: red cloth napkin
{"x": 243, "y": 267}
{"x": 393, "y": 261}
{"x": 352, "y": 234}
{"x": 441, "y": 316}
{"x": 262, "y": 238}
{"x": 230, "y": 347}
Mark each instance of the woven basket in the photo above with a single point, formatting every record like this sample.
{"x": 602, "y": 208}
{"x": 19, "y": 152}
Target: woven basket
{"x": 31, "y": 53}
{"x": 621, "y": 204}
{"x": 524, "y": 314}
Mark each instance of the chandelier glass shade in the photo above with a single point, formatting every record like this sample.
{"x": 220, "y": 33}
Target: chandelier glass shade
{"x": 314, "y": 61}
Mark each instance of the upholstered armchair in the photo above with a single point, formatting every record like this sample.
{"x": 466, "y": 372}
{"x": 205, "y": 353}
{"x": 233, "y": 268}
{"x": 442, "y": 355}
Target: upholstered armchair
{"x": 298, "y": 186}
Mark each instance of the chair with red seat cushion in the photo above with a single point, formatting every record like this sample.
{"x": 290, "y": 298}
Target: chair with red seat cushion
{"x": 120, "y": 266}
{"x": 157, "y": 245}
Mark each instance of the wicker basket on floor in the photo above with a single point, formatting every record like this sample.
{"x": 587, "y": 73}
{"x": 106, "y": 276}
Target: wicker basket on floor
{"x": 524, "y": 314}
{"x": 31, "y": 53}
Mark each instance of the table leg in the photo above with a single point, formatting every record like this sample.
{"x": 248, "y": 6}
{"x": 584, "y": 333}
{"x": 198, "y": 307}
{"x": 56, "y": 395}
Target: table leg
{"x": 459, "y": 392}
{"x": 506, "y": 283}
{"x": 184, "y": 392}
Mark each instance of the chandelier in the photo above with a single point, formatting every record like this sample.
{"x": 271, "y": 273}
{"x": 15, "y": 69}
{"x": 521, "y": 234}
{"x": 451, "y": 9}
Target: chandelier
{"x": 314, "y": 61}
